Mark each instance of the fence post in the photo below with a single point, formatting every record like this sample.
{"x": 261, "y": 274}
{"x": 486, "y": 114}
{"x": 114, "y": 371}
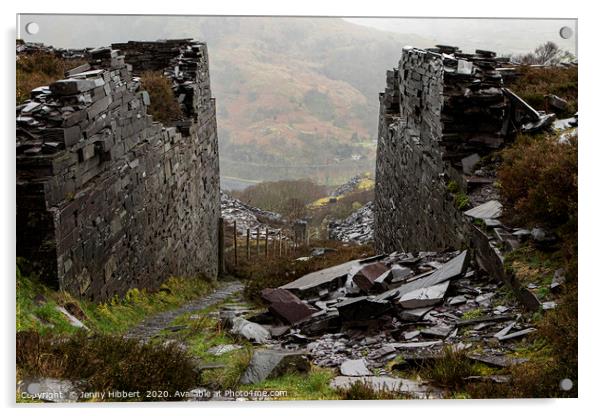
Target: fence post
{"x": 266, "y": 242}
{"x": 248, "y": 243}
{"x": 235, "y": 245}
{"x": 280, "y": 243}
{"x": 257, "y": 242}
{"x": 221, "y": 266}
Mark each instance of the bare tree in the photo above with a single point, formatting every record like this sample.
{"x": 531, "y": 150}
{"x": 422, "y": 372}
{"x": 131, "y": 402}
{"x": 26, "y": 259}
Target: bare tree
{"x": 546, "y": 54}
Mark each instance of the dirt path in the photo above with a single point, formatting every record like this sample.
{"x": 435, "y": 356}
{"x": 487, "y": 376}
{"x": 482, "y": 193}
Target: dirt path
{"x": 152, "y": 325}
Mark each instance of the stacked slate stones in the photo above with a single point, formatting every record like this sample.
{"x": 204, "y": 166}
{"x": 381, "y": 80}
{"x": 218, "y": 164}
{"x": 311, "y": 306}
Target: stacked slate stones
{"x": 118, "y": 200}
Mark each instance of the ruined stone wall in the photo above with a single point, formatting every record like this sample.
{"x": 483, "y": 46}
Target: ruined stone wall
{"x": 441, "y": 111}
{"x": 107, "y": 199}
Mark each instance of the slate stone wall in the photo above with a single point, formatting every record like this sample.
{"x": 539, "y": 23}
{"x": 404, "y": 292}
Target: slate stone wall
{"x": 440, "y": 108}
{"x": 107, "y": 199}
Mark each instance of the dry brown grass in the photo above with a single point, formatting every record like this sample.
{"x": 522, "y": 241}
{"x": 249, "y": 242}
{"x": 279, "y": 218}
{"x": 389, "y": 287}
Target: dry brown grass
{"x": 38, "y": 69}
{"x": 260, "y": 273}
{"x": 164, "y": 106}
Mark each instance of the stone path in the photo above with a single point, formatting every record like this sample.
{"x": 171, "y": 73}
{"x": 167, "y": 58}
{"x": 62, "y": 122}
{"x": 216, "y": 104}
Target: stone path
{"x": 154, "y": 324}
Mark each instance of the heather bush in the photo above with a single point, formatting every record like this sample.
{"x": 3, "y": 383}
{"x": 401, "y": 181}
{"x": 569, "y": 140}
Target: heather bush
{"x": 538, "y": 179}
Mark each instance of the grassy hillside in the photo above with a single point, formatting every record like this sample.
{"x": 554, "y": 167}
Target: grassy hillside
{"x": 297, "y": 97}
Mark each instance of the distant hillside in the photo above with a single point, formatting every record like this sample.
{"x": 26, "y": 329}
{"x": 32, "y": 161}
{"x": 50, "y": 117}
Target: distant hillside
{"x": 297, "y": 97}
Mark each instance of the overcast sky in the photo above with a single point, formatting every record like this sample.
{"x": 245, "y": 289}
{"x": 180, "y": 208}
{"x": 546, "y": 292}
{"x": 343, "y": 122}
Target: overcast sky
{"x": 507, "y": 35}
{"x": 503, "y": 35}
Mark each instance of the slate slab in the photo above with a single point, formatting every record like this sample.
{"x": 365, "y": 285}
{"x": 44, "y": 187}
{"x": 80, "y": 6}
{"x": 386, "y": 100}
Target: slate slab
{"x": 361, "y": 308}
{"x": 355, "y": 368}
{"x": 273, "y": 363}
{"x": 286, "y": 305}
{"x": 320, "y": 278}
{"x": 368, "y": 274}
{"x": 423, "y": 297}
{"x": 250, "y": 330}
{"x": 489, "y": 210}
{"x": 452, "y": 269}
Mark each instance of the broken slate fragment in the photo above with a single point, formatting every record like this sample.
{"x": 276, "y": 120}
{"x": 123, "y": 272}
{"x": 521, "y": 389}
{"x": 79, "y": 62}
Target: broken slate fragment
{"x": 361, "y": 308}
{"x": 366, "y": 276}
{"x": 490, "y": 209}
{"x": 331, "y": 278}
{"x": 439, "y": 331}
{"x": 469, "y": 163}
{"x": 250, "y": 330}
{"x": 548, "y": 305}
{"x": 452, "y": 269}
{"x": 223, "y": 349}
{"x": 274, "y": 363}
{"x": 383, "y": 351}
{"x": 412, "y": 315}
{"x": 517, "y": 334}
{"x": 501, "y": 361}
{"x": 414, "y": 345}
{"x": 73, "y": 321}
{"x": 355, "y": 368}
{"x": 410, "y": 334}
{"x": 400, "y": 273}
{"x": 558, "y": 280}
{"x": 421, "y": 298}
{"x": 286, "y": 306}
{"x": 457, "y": 300}
{"x": 505, "y": 330}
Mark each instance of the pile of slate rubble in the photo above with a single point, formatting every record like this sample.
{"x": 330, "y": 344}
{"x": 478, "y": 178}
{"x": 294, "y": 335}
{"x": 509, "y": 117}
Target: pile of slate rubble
{"x": 357, "y": 228}
{"x": 247, "y": 216}
{"x": 369, "y": 317}
{"x": 349, "y": 186}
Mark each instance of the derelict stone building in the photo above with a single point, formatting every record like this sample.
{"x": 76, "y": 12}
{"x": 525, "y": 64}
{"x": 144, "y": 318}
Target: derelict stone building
{"x": 108, "y": 199}
{"x": 441, "y": 112}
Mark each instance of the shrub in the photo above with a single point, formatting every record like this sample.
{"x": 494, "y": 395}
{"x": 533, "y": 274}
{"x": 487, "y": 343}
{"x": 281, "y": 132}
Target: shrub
{"x": 538, "y": 179}
{"x": 450, "y": 370}
{"x": 534, "y": 84}
{"x": 556, "y": 360}
{"x": 107, "y": 363}
{"x": 163, "y": 104}
{"x": 364, "y": 391}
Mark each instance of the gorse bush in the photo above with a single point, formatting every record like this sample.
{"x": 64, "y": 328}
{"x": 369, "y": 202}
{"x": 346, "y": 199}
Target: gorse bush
{"x": 538, "y": 179}
{"x": 163, "y": 104}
